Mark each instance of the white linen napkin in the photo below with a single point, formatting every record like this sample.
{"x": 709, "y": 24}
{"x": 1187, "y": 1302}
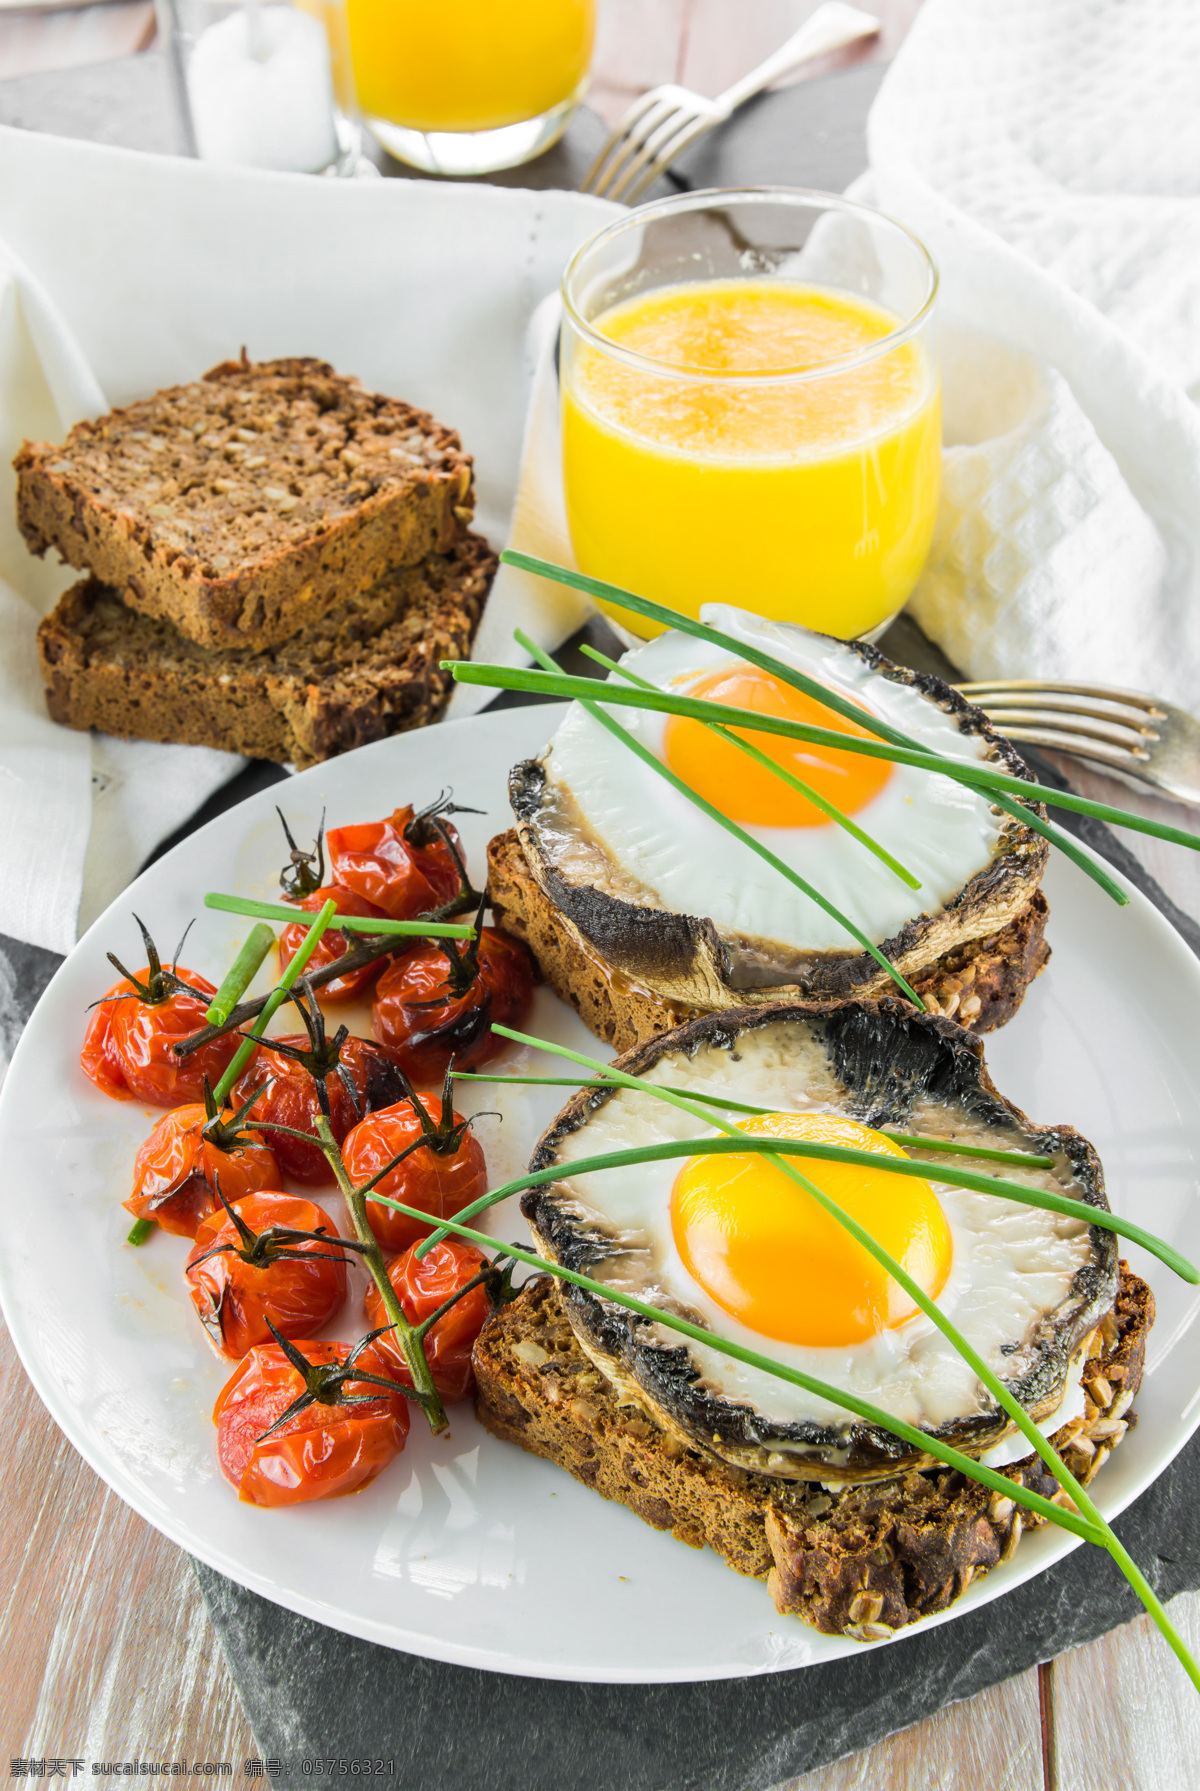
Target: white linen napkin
{"x": 1049, "y": 156}
{"x": 121, "y": 273}
{"x": 64, "y": 802}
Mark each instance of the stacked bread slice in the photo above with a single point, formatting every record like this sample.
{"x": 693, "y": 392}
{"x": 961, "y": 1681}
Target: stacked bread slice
{"x": 278, "y": 562}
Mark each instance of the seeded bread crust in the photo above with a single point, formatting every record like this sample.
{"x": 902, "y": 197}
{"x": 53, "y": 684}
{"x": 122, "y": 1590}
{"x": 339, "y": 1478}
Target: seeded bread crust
{"x": 861, "y": 1562}
{"x": 980, "y": 984}
{"x": 242, "y": 507}
{"x": 369, "y": 668}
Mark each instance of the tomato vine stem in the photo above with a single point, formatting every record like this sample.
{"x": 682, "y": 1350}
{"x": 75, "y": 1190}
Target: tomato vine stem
{"x": 410, "y": 1342}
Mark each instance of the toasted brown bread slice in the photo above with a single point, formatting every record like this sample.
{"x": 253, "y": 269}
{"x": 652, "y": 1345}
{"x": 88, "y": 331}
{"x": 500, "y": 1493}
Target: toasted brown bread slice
{"x": 981, "y": 983}
{"x": 863, "y": 1561}
{"x": 369, "y": 668}
{"x": 245, "y": 505}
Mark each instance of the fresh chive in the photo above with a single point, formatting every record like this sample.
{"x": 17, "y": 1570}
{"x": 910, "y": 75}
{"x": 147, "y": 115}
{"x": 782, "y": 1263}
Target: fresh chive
{"x": 671, "y": 618}
{"x": 502, "y": 677}
{"x": 987, "y": 1184}
{"x": 917, "y": 1294}
{"x": 241, "y": 974}
{"x": 838, "y": 1396}
{"x": 574, "y": 1082}
{"x": 767, "y": 1144}
{"x": 827, "y": 808}
{"x": 684, "y": 1099}
{"x": 983, "y": 777}
{"x": 1096, "y": 1531}
{"x": 274, "y": 1002}
{"x": 140, "y": 1230}
{"x": 346, "y": 923}
{"x": 702, "y": 631}
{"x": 1019, "y": 1159}
{"x": 731, "y": 827}
{"x": 1041, "y": 1198}
{"x": 1101, "y": 1532}
{"x": 910, "y": 1140}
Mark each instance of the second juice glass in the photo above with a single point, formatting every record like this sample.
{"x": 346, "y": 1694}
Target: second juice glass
{"x": 751, "y": 407}
{"x": 469, "y": 88}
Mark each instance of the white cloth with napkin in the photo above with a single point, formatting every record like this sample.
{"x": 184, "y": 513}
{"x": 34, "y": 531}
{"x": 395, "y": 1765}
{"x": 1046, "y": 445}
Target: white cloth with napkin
{"x": 121, "y": 273}
{"x": 1048, "y": 153}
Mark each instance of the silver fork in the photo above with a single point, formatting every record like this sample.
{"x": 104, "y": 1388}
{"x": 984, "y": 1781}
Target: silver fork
{"x": 1135, "y": 735}
{"x": 660, "y": 125}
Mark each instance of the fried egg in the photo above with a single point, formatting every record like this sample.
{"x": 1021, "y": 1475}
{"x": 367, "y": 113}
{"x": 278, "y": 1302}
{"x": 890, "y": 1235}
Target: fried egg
{"x": 937, "y": 829}
{"x": 735, "y": 1246}
{"x": 613, "y": 844}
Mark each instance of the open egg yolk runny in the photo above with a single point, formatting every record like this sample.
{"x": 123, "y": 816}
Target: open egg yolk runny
{"x": 746, "y": 791}
{"x": 767, "y": 1253}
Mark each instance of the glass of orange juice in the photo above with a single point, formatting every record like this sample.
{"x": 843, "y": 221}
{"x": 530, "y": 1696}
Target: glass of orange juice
{"x": 471, "y": 87}
{"x": 751, "y": 407}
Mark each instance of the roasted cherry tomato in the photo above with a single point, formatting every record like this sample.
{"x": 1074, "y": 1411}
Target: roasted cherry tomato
{"x": 291, "y": 1067}
{"x": 421, "y": 1288}
{"x": 434, "y": 1002}
{"x": 332, "y": 943}
{"x": 176, "y": 1171}
{"x": 443, "y": 1171}
{"x": 249, "y": 1264}
{"x": 291, "y": 1099}
{"x": 127, "y": 1047}
{"x": 405, "y": 865}
{"x": 325, "y": 1449}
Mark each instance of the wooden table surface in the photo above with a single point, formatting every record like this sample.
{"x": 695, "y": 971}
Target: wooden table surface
{"x": 106, "y": 1651}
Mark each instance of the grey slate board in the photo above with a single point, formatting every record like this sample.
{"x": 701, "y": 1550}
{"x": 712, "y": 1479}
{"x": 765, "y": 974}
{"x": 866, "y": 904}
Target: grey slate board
{"x": 312, "y": 1693}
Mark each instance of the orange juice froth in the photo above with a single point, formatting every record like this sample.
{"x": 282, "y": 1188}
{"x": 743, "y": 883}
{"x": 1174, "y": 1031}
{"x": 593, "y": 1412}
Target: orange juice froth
{"x": 477, "y": 65}
{"x": 808, "y": 499}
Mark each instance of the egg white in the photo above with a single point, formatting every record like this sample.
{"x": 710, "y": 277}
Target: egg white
{"x": 1012, "y": 1264}
{"x": 936, "y": 828}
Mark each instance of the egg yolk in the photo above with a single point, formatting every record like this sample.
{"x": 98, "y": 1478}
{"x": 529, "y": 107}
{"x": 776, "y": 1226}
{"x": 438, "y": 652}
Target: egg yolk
{"x": 769, "y": 1255}
{"x": 746, "y": 791}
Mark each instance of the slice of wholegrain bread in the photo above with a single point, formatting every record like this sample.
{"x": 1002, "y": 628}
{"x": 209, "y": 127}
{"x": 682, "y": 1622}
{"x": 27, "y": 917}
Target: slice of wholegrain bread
{"x": 862, "y": 1561}
{"x": 369, "y": 668}
{"x": 243, "y": 506}
{"x": 981, "y": 983}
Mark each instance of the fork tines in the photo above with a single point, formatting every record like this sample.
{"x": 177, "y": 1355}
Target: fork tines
{"x": 1114, "y": 728}
{"x": 656, "y": 128}
{"x": 1136, "y": 736}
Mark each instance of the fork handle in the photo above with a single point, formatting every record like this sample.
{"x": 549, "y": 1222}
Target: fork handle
{"x": 829, "y": 28}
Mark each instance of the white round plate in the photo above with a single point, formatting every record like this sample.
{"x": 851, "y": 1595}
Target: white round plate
{"x": 462, "y": 1549}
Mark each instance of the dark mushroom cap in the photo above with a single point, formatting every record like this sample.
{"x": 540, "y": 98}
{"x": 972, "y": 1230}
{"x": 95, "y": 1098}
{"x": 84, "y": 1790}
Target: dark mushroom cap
{"x": 685, "y": 959}
{"x": 890, "y": 1063}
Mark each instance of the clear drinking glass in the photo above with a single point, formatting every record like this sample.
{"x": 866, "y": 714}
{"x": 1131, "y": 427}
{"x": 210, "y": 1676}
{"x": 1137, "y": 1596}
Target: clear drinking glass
{"x": 471, "y": 87}
{"x": 255, "y": 83}
{"x": 751, "y": 407}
